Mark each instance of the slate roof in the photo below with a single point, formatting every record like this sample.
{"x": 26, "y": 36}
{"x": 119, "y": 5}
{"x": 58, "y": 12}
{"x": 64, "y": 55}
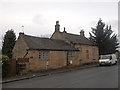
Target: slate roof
{"x": 78, "y": 39}
{"x": 37, "y": 43}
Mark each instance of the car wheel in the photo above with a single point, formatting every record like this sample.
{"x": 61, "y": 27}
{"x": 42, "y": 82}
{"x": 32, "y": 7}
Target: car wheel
{"x": 100, "y": 65}
{"x": 115, "y": 62}
{"x": 110, "y": 63}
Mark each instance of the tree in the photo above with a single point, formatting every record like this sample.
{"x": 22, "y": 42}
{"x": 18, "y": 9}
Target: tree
{"x": 8, "y": 43}
{"x": 103, "y": 36}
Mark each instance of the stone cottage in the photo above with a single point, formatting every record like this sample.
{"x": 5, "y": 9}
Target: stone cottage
{"x": 62, "y": 49}
{"x": 88, "y": 51}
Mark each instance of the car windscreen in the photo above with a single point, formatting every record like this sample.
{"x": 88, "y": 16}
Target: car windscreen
{"x": 105, "y": 57}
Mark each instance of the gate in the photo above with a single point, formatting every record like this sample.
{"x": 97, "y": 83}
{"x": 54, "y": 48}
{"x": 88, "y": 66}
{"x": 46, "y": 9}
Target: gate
{"x": 21, "y": 64}
{"x": 17, "y": 65}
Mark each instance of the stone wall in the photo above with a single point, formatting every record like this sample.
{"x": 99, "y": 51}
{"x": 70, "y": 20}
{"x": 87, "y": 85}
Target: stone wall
{"x": 92, "y": 56}
{"x": 19, "y": 50}
{"x": 56, "y": 59}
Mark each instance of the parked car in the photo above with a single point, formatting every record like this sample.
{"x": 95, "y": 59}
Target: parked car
{"x": 109, "y": 59}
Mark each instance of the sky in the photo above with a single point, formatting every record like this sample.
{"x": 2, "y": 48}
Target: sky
{"x": 39, "y": 16}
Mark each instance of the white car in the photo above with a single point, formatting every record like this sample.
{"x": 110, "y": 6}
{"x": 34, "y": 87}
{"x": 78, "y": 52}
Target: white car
{"x": 109, "y": 59}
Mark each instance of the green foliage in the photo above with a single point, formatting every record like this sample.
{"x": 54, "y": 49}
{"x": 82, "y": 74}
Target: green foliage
{"x": 8, "y": 43}
{"x": 103, "y": 36}
{"x": 5, "y": 65}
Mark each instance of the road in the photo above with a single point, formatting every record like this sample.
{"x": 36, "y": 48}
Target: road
{"x": 97, "y": 77}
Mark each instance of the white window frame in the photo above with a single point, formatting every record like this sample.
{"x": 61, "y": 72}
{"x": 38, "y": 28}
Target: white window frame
{"x": 43, "y": 55}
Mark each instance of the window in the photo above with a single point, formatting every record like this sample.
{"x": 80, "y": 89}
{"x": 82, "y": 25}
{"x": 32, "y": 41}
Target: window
{"x": 43, "y": 55}
{"x": 87, "y": 54}
{"x": 93, "y": 51}
{"x": 105, "y": 57}
{"x": 71, "y": 53}
{"x": 86, "y": 51}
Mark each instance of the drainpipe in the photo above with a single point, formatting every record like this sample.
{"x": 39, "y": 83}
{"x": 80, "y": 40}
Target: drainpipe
{"x": 67, "y": 59}
{"x": 47, "y": 63}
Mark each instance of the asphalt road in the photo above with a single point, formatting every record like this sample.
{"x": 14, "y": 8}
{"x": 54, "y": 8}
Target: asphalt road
{"x": 97, "y": 77}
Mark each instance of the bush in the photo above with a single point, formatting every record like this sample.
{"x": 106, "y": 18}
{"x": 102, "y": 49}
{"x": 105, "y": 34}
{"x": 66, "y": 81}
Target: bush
{"x": 5, "y": 65}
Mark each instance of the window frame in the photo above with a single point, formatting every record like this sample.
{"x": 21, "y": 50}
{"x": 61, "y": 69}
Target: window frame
{"x": 87, "y": 54}
{"x": 43, "y": 55}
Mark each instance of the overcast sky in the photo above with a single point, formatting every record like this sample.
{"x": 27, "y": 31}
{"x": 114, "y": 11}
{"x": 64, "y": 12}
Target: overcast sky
{"x": 39, "y": 16}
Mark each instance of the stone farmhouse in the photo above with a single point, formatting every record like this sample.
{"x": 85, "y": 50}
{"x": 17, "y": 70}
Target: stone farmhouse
{"x": 60, "y": 50}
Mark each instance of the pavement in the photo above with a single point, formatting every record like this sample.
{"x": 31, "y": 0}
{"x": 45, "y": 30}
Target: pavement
{"x": 44, "y": 73}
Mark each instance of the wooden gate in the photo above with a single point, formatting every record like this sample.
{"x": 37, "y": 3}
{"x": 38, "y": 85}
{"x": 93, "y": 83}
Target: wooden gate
{"x": 21, "y": 64}
{"x": 17, "y": 65}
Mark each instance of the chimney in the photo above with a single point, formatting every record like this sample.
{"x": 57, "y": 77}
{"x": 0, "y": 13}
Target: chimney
{"x": 57, "y": 26}
{"x": 82, "y": 33}
{"x": 64, "y": 30}
{"x": 21, "y": 33}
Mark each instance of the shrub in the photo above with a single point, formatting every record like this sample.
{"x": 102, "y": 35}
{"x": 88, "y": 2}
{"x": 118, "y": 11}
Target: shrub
{"x": 5, "y": 65}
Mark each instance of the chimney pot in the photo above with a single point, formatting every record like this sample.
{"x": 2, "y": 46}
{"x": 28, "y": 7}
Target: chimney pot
{"x": 57, "y": 22}
{"x": 64, "y": 30}
{"x": 57, "y": 27}
{"x": 21, "y": 33}
{"x": 82, "y": 33}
